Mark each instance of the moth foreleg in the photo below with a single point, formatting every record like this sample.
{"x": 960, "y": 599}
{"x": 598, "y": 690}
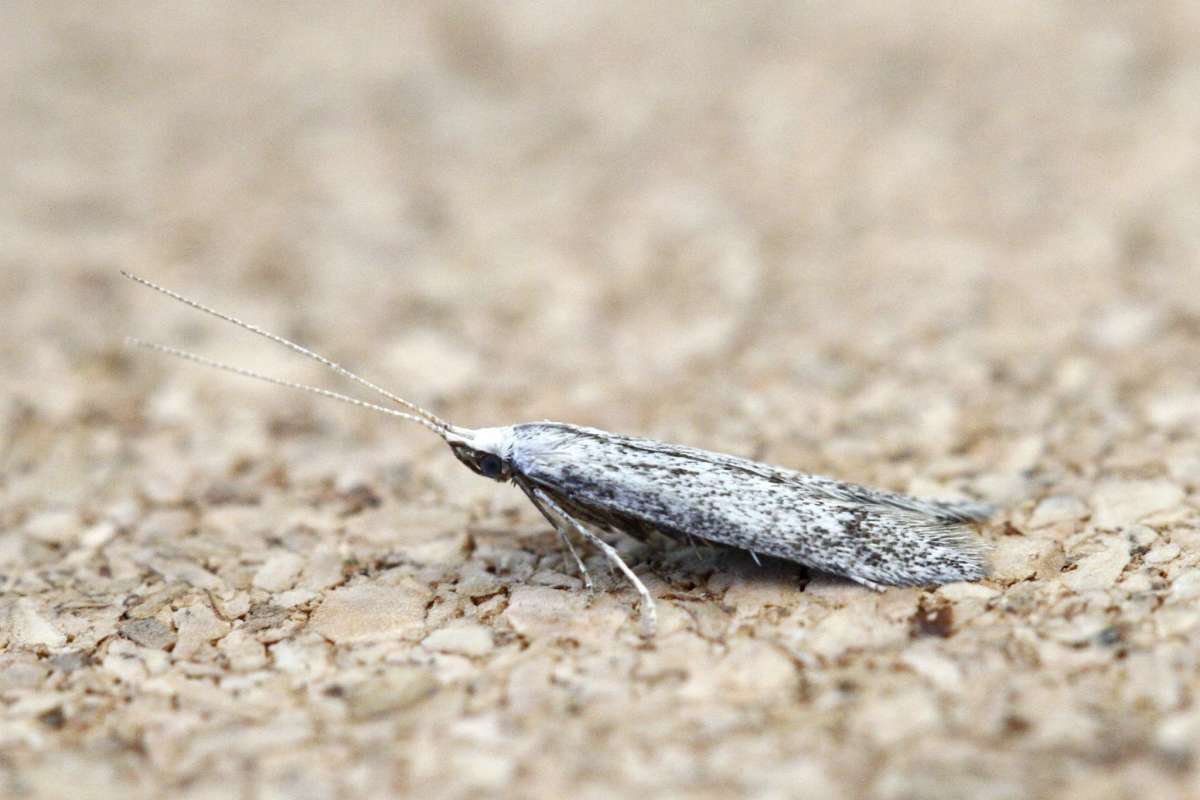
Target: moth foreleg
{"x": 649, "y": 615}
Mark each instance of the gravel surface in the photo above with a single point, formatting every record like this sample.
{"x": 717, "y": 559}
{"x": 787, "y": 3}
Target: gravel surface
{"x": 947, "y": 248}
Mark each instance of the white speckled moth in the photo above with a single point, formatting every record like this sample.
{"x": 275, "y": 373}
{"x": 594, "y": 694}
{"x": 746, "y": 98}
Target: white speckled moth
{"x": 578, "y": 477}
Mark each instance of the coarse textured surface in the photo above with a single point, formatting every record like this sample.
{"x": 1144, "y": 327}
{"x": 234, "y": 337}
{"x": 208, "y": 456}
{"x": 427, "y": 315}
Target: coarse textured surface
{"x": 940, "y": 248}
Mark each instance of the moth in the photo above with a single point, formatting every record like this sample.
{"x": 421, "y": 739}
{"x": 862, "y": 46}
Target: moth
{"x": 582, "y": 479}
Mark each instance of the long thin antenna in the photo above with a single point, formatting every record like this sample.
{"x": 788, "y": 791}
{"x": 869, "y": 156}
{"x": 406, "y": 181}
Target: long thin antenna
{"x": 304, "y": 351}
{"x": 208, "y": 362}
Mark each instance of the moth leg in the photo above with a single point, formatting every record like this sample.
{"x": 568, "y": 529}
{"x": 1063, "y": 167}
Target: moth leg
{"x": 754, "y": 555}
{"x": 878, "y": 587}
{"x": 561, "y": 529}
{"x": 649, "y": 620}
{"x": 583, "y": 570}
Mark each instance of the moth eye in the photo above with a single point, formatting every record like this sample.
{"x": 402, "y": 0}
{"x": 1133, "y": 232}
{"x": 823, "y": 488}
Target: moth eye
{"x": 491, "y": 466}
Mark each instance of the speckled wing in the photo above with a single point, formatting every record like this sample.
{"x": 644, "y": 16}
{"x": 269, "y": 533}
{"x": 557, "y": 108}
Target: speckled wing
{"x": 871, "y": 536}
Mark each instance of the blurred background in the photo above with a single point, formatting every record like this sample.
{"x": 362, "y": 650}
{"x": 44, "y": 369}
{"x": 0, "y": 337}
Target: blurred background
{"x": 946, "y": 247}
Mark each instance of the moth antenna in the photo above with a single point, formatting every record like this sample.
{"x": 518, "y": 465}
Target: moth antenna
{"x": 304, "y": 351}
{"x": 440, "y": 430}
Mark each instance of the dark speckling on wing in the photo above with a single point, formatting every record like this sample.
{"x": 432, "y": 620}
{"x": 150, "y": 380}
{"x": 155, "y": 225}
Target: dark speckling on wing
{"x": 873, "y": 537}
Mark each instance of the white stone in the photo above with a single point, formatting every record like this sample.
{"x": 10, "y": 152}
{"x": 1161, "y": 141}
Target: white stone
{"x": 1162, "y": 554}
{"x": 963, "y": 592}
{"x": 1185, "y": 469}
{"x": 182, "y": 569}
{"x": 1124, "y": 326}
{"x": 754, "y": 668}
{"x": 542, "y": 610}
{"x": 324, "y": 568}
{"x": 969, "y": 600}
{"x": 293, "y": 598}
{"x": 1120, "y": 503}
{"x": 465, "y": 639}
{"x": 368, "y": 611}
{"x": 395, "y": 689}
{"x": 166, "y": 524}
{"x": 1174, "y": 410}
{"x": 148, "y": 632}
{"x": 234, "y": 605}
{"x": 155, "y": 602}
{"x": 279, "y": 572}
{"x": 905, "y": 717}
{"x": 122, "y": 660}
{"x": 924, "y": 659}
{"x": 1152, "y": 679}
{"x": 197, "y": 625}
{"x": 26, "y": 671}
{"x": 1056, "y": 509}
{"x": 31, "y": 627}
{"x": 1099, "y": 570}
{"x": 856, "y": 627}
{"x": 1141, "y": 535}
{"x": 1177, "y": 736}
{"x": 1016, "y": 558}
{"x": 1186, "y": 586}
{"x": 244, "y": 652}
{"x": 306, "y": 655}
{"x": 477, "y": 583}
{"x": 1176, "y": 620}
{"x": 99, "y": 534}
{"x": 1024, "y": 454}
{"x": 55, "y": 527}
{"x": 1136, "y": 583}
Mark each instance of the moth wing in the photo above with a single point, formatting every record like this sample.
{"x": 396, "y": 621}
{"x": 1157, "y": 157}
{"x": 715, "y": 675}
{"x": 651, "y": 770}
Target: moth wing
{"x": 873, "y": 537}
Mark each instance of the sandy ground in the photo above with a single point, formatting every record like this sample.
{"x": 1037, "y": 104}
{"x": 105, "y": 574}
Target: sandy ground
{"x": 950, "y": 249}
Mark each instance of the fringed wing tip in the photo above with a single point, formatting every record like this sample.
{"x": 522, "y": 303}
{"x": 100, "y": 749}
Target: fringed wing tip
{"x": 968, "y": 553}
{"x": 973, "y": 549}
{"x": 966, "y": 511}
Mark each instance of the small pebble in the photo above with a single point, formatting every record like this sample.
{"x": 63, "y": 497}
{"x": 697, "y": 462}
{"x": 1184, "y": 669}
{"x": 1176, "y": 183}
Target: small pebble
{"x": 1098, "y": 570}
{"x": 1162, "y": 554}
{"x": 1060, "y": 508}
{"x": 463, "y": 639}
{"x": 1186, "y": 587}
{"x": 148, "y": 633}
{"x": 244, "y": 652}
{"x": 477, "y": 583}
{"x": 540, "y": 610}
{"x": 1126, "y": 502}
{"x": 197, "y": 626}
{"x": 1174, "y": 410}
{"x": 1185, "y": 469}
{"x": 156, "y": 601}
{"x": 369, "y": 611}
{"x": 279, "y": 573}
{"x": 32, "y": 627}
{"x": 1016, "y": 558}
{"x": 395, "y": 690}
{"x": 54, "y": 527}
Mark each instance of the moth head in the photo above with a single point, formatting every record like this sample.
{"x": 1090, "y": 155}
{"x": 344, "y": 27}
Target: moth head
{"x": 484, "y": 451}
